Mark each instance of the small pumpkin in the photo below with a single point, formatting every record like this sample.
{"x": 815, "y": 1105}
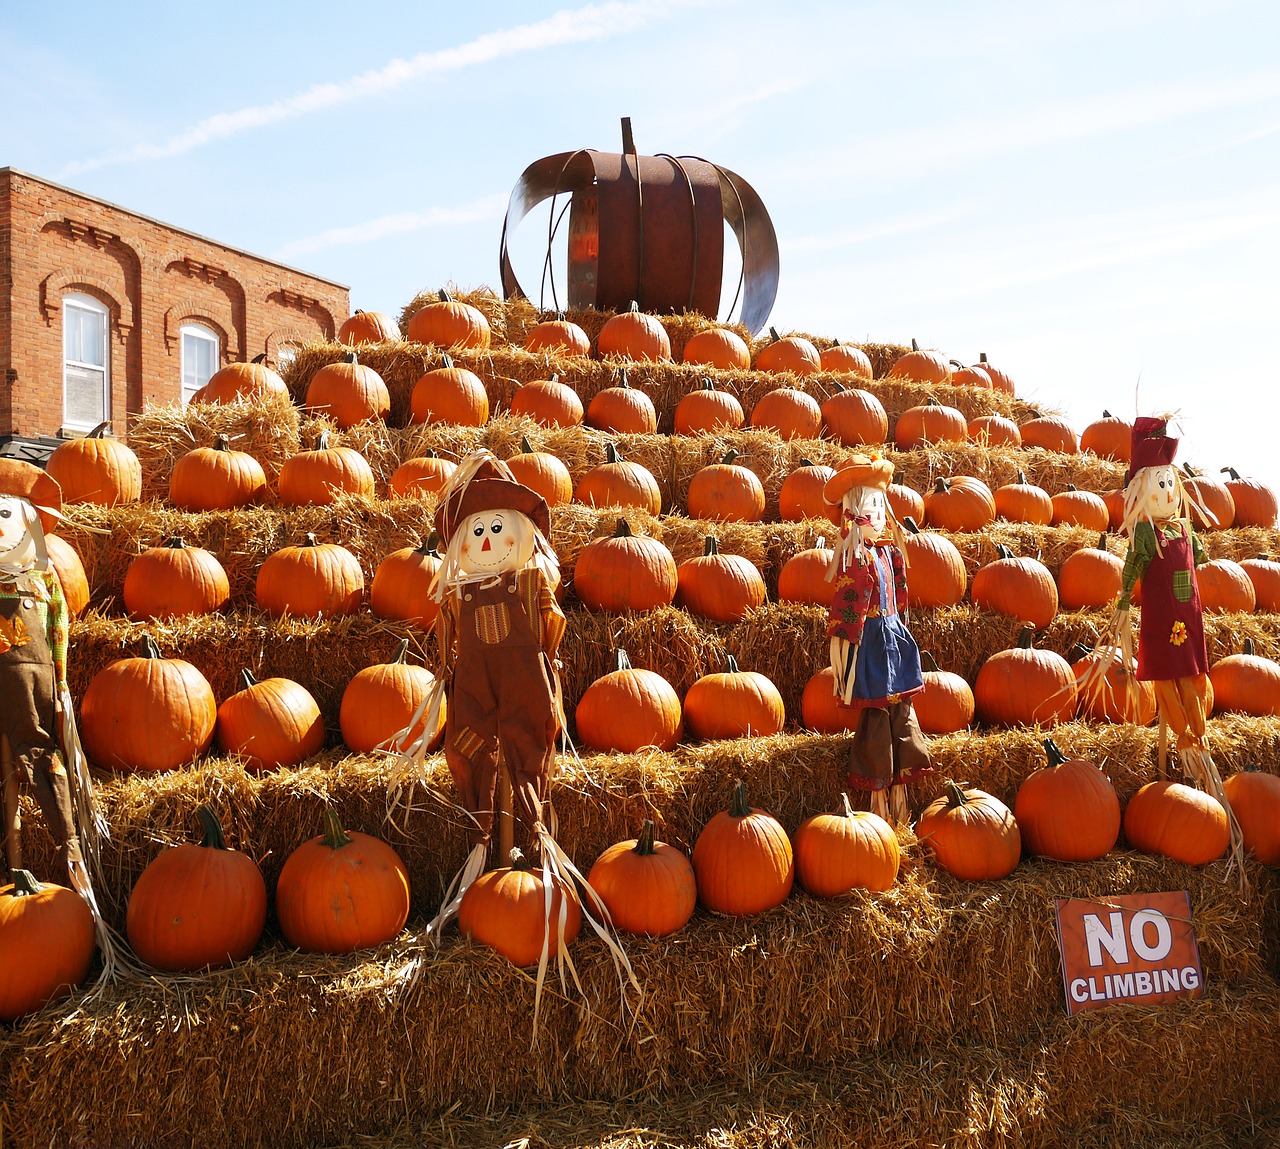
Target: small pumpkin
{"x": 1178, "y": 822}
{"x": 706, "y": 410}
{"x": 803, "y": 577}
{"x": 802, "y": 496}
{"x": 174, "y": 581}
{"x": 559, "y": 335}
{"x": 1024, "y": 686}
{"x": 543, "y": 472}
{"x": 632, "y": 334}
{"x": 718, "y": 347}
{"x": 962, "y": 376}
{"x": 401, "y": 588}
{"x": 743, "y": 860}
{"x": 65, "y": 560}
{"x": 199, "y": 906}
{"x": 930, "y": 422}
{"x": 449, "y": 394}
{"x": 789, "y": 412}
{"x": 921, "y": 366}
{"x": 216, "y": 478}
{"x": 422, "y": 475}
{"x": 733, "y": 703}
{"x": 625, "y": 571}
{"x": 46, "y": 944}
{"x": 272, "y": 723}
{"x": 974, "y": 836}
{"x": 1246, "y": 683}
{"x": 380, "y": 703}
{"x": 1075, "y": 508}
{"x": 1022, "y": 588}
{"x": 961, "y": 503}
{"x": 1108, "y": 438}
{"x": 236, "y": 381}
{"x": 647, "y": 886}
{"x": 1050, "y": 432}
{"x": 727, "y": 492}
{"x": 622, "y": 409}
{"x": 1000, "y": 380}
{"x": 311, "y": 580}
{"x": 348, "y": 392}
{"x": 628, "y": 709}
{"x": 341, "y": 891}
{"x": 319, "y": 476}
{"x": 1263, "y": 571}
{"x": 995, "y": 431}
{"x": 719, "y": 587}
{"x": 849, "y": 850}
{"x": 368, "y": 327}
{"x": 945, "y": 705}
{"x": 618, "y": 482}
{"x": 1255, "y": 800}
{"x": 1023, "y": 502}
{"x": 1225, "y": 586}
{"x": 1067, "y": 809}
{"x": 1255, "y": 503}
{"x": 794, "y": 354}
{"x": 510, "y": 909}
{"x": 96, "y": 469}
{"x": 846, "y": 359}
{"x": 548, "y": 402}
{"x": 448, "y": 322}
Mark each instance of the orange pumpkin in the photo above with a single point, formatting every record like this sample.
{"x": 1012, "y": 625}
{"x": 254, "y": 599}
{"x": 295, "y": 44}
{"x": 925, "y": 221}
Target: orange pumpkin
{"x": 1023, "y": 502}
{"x": 560, "y": 335}
{"x": 1022, "y": 588}
{"x": 794, "y": 354}
{"x": 628, "y": 709}
{"x": 401, "y": 588}
{"x": 1255, "y": 503}
{"x": 974, "y": 836}
{"x": 821, "y": 710}
{"x": 619, "y": 483}
{"x": 1068, "y": 809}
{"x": 1080, "y": 509}
{"x": 549, "y": 402}
{"x": 962, "y": 376}
{"x": 850, "y": 850}
{"x": 173, "y": 581}
{"x": 311, "y": 580}
{"x": 905, "y": 502}
{"x": 931, "y": 422}
{"x": 270, "y": 724}
{"x": 341, "y": 891}
{"x": 237, "y": 381}
{"x": 447, "y": 322}
{"x": 1091, "y": 577}
{"x": 348, "y": 392}
{"x": 1178, "y": 822}
{"x": 853, "y": 417}
{"x": 1219, "y": 508}
{"x": 1050, "y": 432}
{"x": 1255, "y": 800}
{"x": 733, "y": 703}
{"x": 625, "y": 572}
{"x": 705, "y": 410}
{"x": 921, "y": 366}
{"x": 743, "y": 860}
{"x": 65, "y": 560}
{"x": 1263, "y": 572}
{"x": 995, "y": 431}
{"x": 632, "y": 334}
{"x": 46, "y": 944}
{"x": 789, "y": 413}
{"x": 96, "y": 469}
{"x": 647, "y": 886}
{"x": 960, "y": 503}
{"x": 999, "y": 379}
{"x": 381, "y": 702}
{"x": 622, "y": 409}
{"x": 450, "y": 394}
{"x": 846, "y": 359}
{"x": 368, "y": 327}
{"x": 718, "y": 347}
{"x": 1116, "y": 696}
{"x": 1225, "y": 586}
{"x": 1108, "y": 438}
{"x": 317, "y": 477}
{"x": 719, "y": 587}
{"x": 197, "y": 906}
{"x": 543, "y": 472}
{"x": 423, "y": 475}
{"x": 726, "y": 491}
{"x": 803, "y": 577}
{"x": 802, "y": 496}
{"x": 1025, "y": 686}
{"x": 936, "y": 570}
{"x": 945, "y": 705}
{"x": 1247, "y": 683}
{"x": 510, "y": 910}
{"x": 216, "y": 478}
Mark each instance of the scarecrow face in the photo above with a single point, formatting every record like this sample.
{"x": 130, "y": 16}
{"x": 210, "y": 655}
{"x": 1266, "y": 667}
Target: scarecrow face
{"x": 16, "y": 543}
{"x": 1162, "y": 497}
{"x": 869, "y": 503}
{"x": 495, "y": 542}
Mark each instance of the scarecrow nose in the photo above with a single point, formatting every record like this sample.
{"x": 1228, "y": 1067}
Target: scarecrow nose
{"x": 486, "y": 546}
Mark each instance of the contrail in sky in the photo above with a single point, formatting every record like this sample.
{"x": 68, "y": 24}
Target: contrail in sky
{"x": 568, "y": 26}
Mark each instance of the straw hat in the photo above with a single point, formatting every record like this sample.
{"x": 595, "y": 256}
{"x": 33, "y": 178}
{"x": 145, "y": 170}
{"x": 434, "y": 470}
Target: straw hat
{"x": 489, "y": 489}
{"x": 858, "y": 471}
{"x": 29, "y": 482}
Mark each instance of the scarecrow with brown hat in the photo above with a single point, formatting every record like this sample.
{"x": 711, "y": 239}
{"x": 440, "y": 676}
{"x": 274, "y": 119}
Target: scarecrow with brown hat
{"x": 874, "y": 658}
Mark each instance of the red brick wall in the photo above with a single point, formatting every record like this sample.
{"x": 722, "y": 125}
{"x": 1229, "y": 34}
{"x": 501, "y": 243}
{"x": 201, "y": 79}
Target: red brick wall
{"x": 152, "y": 278}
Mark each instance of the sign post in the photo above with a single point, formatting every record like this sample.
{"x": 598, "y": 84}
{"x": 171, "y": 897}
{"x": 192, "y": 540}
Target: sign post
{"x": 1138, "y": 948}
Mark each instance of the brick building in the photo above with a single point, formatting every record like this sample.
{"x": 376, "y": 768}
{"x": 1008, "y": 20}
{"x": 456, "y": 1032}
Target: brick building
{"x": 104, "y": 312}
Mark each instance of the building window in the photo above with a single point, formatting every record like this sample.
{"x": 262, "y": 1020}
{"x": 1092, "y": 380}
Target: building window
{"x": 201, "y": 357}
{"x": 86, "y": 367}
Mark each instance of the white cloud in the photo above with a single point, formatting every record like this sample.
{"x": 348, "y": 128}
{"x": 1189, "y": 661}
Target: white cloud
{"x": 568, "y": 26}
{"x": 490, "y": 208}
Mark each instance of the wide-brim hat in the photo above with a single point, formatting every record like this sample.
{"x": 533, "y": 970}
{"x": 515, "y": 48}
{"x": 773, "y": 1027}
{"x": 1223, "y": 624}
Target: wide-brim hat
{"x": 1151, "y": 444}
{"x": 29, "y": 482}
{"x": 858, "y": 471}
{"x": 490, "y": 490}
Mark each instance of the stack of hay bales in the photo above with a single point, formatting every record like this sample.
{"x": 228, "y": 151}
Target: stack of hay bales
{"x": 928, "y": 1015}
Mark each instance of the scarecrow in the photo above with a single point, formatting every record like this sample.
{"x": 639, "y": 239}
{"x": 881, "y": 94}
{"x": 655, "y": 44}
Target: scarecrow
{"x": 1164, "y": 552}
{"x": 875, "y": 660}
{"x": 39, "y": 746}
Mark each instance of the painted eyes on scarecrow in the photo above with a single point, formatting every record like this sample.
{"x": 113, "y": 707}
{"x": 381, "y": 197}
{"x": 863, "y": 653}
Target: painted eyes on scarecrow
{"x": 6, "y": 513}
{"x": 478, "y": 529}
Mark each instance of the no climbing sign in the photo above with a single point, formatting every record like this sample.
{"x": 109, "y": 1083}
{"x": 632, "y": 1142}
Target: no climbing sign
{"x": 1130, "y": 947}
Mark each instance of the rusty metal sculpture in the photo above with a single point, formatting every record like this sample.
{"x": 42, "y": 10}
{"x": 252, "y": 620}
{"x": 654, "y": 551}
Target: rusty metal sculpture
{"x": 649, "y": 229}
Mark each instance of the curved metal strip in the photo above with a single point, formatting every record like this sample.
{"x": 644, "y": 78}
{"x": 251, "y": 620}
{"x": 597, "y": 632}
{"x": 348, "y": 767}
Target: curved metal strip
{"x": 542, "y": 179}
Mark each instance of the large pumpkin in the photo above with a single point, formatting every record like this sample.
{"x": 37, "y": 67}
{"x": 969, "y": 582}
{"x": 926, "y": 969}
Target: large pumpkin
{"x": 173, "y": 581}
{"x": 1117, "y": 695}
{"x": 1025, "y": 686}
{"x": 945, "y": 705}
{"x": 849, "y": 850}
{"x": 381, "y": 702}
{"x": 1225, "y": 586}
{"x": 853, "y": 417}
{"x": 733, "y": 703}
{"x": 1263, "y": 572}
{"x": 422, "y": 475}
{"x": 931, "y": 422}
{"x": 628, "y": 709}
{"x": 448, "y": 322}
{"x": 995, "y": 431}
{"x": 1255, "y": 800}
{"x": 96, "y": 469}
{"x": 319, "y": 476}
{"x": 718, "y": 347}
{"x": 1255, "y": 503}
{"x": 625, "y": 571}
{"x": 1068, "y": 809}
{"x": 622, "y": 409}
{"x": 341, "y": 891}
{"x": 548, "y": 402}
{"x": 802, "y": 494}
{"x": 1022, "y": 588}
{"x": 1247, "y": 683}
{"x": 632, "y": 334}
{"x": 510, "y": 910}
{"x": 647, "y": 886}
{"x": 401, "y": 588}
{"x": 197, "y": 906}
{"x": 65, "y": 560}
{"x": 961, "y": 503}
{"x": 936, "y": 574}
{"x": 743, "y": 860}
{"x": 821, "y": 710}
{"x": 147, "y": 713}
{"x": 46, "y": 944}
{"x": 1050, "y": 432}
{"x": 803, "y": 577}
{"x": 1091, "y": 577}
{"x": 216, "y": 478}
{"x": 1178, "y": 822}
{"x": 1108, "y": 437}
{"x": 921, "y": 366}
{"x": 543, "y": 472}
{"x": 1075, "y": 508}
{"x": 617, "y": 482}
{"x": 846, "y": 359}
{"x": 788, "y": 412}
{"x": 794, "y": 353}
{"x": 272, "y": 723}
{"x": 973, "y": 835}
{"x": 368, "y": 327}
{"x": 242, "y": 381}
{"x": 559, "y": 335}
{"x": 720, "y": 587}
{"x": 1023, "y": 502}
{"x": 1219, "y": 508}
{"x": 726, "y": 491}
{"x": 314, "y": 579}
{"x": 450, "y": 394}
{"x": 706, "y": 410}
{"x": 348, "y": 392}
{"x": 1000, "y": 380}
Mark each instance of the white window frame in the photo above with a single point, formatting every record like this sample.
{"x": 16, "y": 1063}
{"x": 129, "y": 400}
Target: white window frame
{"x": 206, "y": 334}
{"x": 72, "y": 303}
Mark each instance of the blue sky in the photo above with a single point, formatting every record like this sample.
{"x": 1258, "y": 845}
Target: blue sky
{"x": 1090, "y": 193}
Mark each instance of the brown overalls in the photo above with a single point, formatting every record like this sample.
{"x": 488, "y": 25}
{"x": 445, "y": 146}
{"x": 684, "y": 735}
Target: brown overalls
{"x": 503, "y": 693}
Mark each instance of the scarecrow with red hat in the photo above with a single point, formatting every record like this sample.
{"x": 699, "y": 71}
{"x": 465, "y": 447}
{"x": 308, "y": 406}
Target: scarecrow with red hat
{"x": 874, "y": 658}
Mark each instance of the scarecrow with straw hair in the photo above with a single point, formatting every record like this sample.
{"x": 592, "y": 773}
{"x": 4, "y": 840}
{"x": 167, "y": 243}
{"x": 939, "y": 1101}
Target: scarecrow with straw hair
{"x": 1164, "y": 552}
{"x": 874, "y": 658}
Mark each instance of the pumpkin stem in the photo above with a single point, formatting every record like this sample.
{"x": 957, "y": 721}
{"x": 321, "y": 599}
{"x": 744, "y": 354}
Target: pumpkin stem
{"x": 401, "y": 651}
{"x": 247, "y": 679}
{"x": 322, "y": 441}
{"x": 1235, "y": 475}
{"x": 914, "y": 345}
{"x": 1025, "y": 636}
{"x": 848, "y": 806}
{"x": 1072, "y": 487}
{"x": 622, "y": 530}
{"x": 149, "y": 647}
{"x": 1102, "y": 541}
{"x": 99, "y": 431}
{"x": 1248, "y": 646}
{"x": 1056, "y": 756}
{"x": 310, "y": 540}
{"x": 1004, "y": 551}
{"x": 335, "y": 837}
{"x": 351, "y": 357}
{"x": 635, "y": 306}
{"x": 730, "y": 663}
{"x": 221, "y": 443}
{"x": 446, "y": 360}
{"x": 707, "y": 385}
{"x": 955, "y": 795}
{"x": 927, "y": 663}
{"x": 982, "y": 357}
{"x": 445, "y": 296}
{"x": 729, "y": 457}
{"x": 623, "y": 381}
{"x": 555, "y": 378}
{"x": 1022, "y": 479}
{"x": 25, "y": 884}
{"x": 739, "y": 807}
{"x": 912, "y": 526}
{"x": 773, "y": 334}
{"x": 644, "y": 843}
{"x": 213, "y": 838}
{"x": 526, "y": 448}
{"x": 611, "y": 453}
{"x": 804, "y": 463}
{"x": 620, "y": 660}
{"x": 518, "y": 860}
{"x": 942, "y": 486}
{"x": 429, "y": 546}
{"x": 261, "y": 357}
{"x": 711, "y": 546}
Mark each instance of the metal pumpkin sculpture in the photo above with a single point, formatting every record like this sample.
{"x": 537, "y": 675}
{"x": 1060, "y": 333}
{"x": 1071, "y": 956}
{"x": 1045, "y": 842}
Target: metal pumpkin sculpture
{"x": 649, "y": 229}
